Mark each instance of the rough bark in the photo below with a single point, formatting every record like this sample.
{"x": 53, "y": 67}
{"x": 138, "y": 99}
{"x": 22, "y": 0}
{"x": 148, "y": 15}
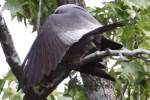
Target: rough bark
{"x": 96, "y": 88}
{"x": 40, "y": 94}
{"x": 12, "y": 57}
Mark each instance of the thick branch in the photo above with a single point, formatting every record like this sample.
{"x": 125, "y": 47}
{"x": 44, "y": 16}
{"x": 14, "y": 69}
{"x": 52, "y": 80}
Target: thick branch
{"x": 9, "y": 49}
{"x": 53, "y": 81}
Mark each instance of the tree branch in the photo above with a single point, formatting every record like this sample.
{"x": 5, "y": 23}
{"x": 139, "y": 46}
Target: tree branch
{"x": 50, "y": 84}
{"x": 39, "y": 15}
{"x": 137, "y": 53}
{"x": 11, "y": 55}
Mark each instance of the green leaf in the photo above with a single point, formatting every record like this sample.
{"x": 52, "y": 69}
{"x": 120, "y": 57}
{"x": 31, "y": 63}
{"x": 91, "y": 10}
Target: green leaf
{"x": 2, "y": 82}
{"x": 28, "y": 10}
{"x": 10, "y": 78}
{"x": 144, "y": 22}
{"x": 133, "y": 69}
{"x": 128, "y": 36}
{"x": 75, "y": 90}
{"x": 14, "y": 6}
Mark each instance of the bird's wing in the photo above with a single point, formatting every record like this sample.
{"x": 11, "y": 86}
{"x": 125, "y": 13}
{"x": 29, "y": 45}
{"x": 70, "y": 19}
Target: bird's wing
{"x": 43, "y": 57}
{"x": 54, "y": 39}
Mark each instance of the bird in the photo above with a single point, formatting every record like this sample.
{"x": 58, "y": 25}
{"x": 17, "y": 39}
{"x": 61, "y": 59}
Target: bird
{"x": 62, "y": 40}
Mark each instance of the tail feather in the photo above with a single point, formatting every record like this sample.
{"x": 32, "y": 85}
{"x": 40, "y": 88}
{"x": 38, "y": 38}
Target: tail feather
{"x": 95, "y": 71}
{"x": 103, "y": 43}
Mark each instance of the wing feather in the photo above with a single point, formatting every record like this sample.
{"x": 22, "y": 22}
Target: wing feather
{"x": 43, "y": 57}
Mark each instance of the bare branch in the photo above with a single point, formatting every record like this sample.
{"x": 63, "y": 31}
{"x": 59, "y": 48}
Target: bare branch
{"x": 137, "y": 53}
{"x": 39, "y": 15}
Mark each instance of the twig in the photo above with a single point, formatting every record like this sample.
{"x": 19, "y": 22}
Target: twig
{"x": 108, "y": 52}
{"x": 123, "y": 91}
{"x": 139, "y": 92}
{"x": 39, "y": 15}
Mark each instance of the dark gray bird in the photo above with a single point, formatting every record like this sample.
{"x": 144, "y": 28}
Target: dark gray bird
{"x": 60, "y": 40}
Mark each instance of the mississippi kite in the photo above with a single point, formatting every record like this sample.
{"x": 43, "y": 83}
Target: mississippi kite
{"x": 60, "y": 39}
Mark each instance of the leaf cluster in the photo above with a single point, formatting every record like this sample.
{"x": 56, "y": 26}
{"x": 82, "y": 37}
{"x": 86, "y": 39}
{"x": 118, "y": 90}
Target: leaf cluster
{"x": 27, "y": 10}
{"x": 135, "y": 35}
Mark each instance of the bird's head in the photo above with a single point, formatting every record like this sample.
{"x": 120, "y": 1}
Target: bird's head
{"x": 67, "y": 8}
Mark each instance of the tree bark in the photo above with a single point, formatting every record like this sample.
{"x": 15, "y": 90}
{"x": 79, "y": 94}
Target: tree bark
{"x": 11, "y": 55}
{"x": 96, "y": 88}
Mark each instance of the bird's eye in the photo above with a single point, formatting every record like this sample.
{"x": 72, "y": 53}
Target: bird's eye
{"x": 56, "y": 12}
{"x": 60, "y": 11}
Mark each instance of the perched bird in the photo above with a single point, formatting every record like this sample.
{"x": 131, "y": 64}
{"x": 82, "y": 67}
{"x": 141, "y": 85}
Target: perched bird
{"x": 61, "y": 40}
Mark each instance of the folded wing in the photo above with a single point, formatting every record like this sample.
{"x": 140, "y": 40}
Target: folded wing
{"x": 43, "y": 57}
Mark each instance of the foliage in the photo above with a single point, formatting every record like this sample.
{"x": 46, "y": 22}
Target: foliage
{"x": 9, "y": 88}
{"x": 27, "y": 10}
{"x": 136, "y": 35}
{"x": 133, "y": 36}
{"x": 75, "y": 89}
